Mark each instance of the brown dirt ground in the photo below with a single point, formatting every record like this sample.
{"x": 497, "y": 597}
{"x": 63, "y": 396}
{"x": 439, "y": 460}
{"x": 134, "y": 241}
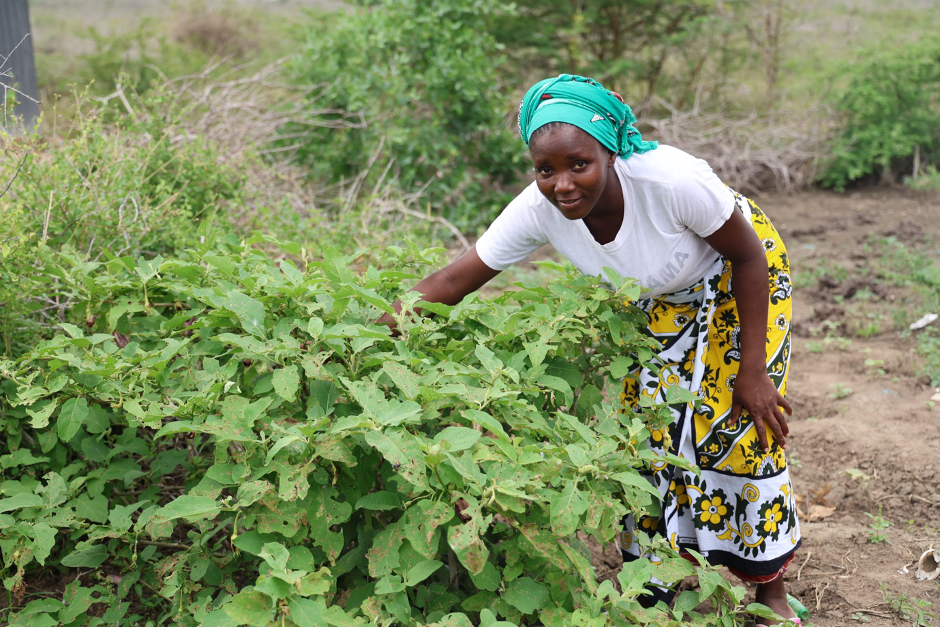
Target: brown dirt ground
{"x": 887, "y": 428}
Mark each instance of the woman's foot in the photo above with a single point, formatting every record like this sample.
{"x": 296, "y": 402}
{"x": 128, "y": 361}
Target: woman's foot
{"x": 773, "y": 595}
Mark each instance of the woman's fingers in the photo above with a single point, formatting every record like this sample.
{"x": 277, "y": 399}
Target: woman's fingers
{"x": 782, "y": 402}
{"x": 734, "y": 414}
{"x": 762, "y": 433}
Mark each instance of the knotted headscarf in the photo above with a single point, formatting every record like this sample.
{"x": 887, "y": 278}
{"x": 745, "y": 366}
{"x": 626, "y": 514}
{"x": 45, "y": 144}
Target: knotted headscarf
{"x": 585, "y": 103}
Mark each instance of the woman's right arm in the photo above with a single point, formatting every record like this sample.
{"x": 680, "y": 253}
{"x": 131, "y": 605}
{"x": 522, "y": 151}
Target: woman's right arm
{"x": 452, "y": 283}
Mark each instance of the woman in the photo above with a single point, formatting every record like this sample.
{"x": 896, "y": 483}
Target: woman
{"x": 719, "y": 302}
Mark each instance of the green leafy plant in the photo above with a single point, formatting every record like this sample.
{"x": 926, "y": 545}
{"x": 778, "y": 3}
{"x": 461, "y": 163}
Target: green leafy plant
{"x": 124, "y": 182}
{"x": 908, "y": 609}
{"x": 233, "y": 441}
{"x": 413, "y": 94}
{"x": 889, "y": 113}
{"x": 877, "y": 526}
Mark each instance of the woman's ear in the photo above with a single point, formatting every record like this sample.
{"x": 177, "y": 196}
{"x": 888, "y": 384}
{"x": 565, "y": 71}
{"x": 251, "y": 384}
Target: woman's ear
{"x": 611, "y": 158}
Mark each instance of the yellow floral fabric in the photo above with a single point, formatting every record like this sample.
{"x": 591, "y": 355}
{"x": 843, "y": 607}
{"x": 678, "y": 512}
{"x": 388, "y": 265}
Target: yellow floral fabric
{"x": 740, "y": 510}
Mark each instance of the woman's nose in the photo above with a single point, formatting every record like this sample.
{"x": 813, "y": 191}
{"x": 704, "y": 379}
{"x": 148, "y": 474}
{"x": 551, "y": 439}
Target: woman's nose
{"x": 563, "y": 184}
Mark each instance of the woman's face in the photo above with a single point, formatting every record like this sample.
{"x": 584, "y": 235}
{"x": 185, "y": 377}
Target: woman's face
{"x": 571, "y": 168}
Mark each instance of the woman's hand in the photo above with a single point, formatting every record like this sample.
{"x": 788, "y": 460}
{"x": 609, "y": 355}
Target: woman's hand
{"x": 754, "y": 392}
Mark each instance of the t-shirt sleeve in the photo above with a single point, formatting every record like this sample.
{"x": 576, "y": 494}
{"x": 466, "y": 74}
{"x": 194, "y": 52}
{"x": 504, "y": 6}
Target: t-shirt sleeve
{"x": 702, "y": 202}
{"x": 512, "y": 236}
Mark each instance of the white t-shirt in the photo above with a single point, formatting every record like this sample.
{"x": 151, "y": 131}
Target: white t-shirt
{"x": 672, "y": 200}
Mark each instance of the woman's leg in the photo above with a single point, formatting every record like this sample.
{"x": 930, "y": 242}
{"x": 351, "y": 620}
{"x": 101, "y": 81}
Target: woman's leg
{"x": 774, "y": 596}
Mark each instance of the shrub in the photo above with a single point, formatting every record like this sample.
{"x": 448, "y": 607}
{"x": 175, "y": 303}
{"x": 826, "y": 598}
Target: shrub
{"x": 424, "y": 75}
{"x": 126, "y": 187}
{"x": 888, "y": 114}
{"x": 232, "y": 441}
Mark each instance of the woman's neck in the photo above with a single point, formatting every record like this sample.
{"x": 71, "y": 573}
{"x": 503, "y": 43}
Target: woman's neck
{"x": 606, "y": 217}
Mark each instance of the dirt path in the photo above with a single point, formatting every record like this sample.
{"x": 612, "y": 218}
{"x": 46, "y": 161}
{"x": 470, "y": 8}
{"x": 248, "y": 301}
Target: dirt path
{"x": 865, "y": 433}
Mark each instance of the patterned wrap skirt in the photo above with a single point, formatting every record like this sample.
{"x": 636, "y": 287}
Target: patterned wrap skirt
{"x": 740, "y": 512}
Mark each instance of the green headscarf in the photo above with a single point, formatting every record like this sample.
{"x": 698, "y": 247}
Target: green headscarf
{"x": 585, "y": 103}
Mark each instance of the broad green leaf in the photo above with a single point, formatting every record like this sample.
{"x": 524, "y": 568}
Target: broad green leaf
{"x": 379, "y": 501}
{"x": 487, "y": 421}
{"x": 566, "y": 509}
{"x": 250, "y": 607}
{"x": 488, "y": 578}
{"x": 250, "y": 312}
{"x": 635, "y": 480}
{"x": 44, "y": 538}
{"x": 559, "y": 385}
{"x": 402, "y": 451}
{"x": 71, "y": 416}
{"x": 91, "y": 557}
{"x": 395, "y": 413}
{"x": 526, "y": 595}
{"x": 468, "y": 547}
{"x": 19, "y": 501}
{"x": 280, "y": 444}
{"x": 40, "y": 412}
{"x": 188, "y": 506}
{"x": 324, "y": 512}
{"x": 459, "y": 438}
{"x": 404, "y": 379}
{"x": 421, "y": 571}
{"x": 77, "y": 605}
{"x": 275, "y": 554}
{"x": 306, "y": 612}
{"x": 620, "y": 366}
{"x": 286, "y": 382}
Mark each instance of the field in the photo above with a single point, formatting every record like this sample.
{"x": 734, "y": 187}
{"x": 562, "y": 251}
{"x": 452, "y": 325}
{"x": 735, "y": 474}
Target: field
{"x": 224, "y": 435}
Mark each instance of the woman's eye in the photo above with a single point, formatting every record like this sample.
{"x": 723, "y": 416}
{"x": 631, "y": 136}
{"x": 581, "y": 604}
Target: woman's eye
{"x": 543, "y": 171}
{"x": 579, "y": 165}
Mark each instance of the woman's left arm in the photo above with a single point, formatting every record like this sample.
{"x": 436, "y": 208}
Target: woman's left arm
{"x": 753, "y": 390}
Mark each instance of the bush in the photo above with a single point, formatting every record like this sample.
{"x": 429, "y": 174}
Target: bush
{"x": 232, "y": 441}
{"x": 888, "y": 114}
{"x": 126, "y": 187}
{"x": 424, "y": 75}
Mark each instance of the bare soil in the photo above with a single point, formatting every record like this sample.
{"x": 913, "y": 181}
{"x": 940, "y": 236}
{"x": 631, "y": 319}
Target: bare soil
{"x": 863, "y": 436}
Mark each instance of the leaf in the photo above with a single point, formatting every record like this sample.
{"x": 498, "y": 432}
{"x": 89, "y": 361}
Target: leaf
{"x": 635, "y": 480}
{"x": 421, "y": 571}
{"x": 488, "y": 421}
{"x": 559, "y": 385}
{"x": 19, "y": 501}
{"x": 379, "y": 501}
{"x": 250, "y": 607}
{"x": 459, "y": 438}
{"x": 44, "y": 538}
{"x": 40, "y": 413}
{"x": 403, "y": 452}
{"x": 404, "y": 379}
{"x": 394, "y": 413}
{"x": 526, "y": 595}
{"x": 188, "y": 506}
{"x": 76, "y": 606}
{"x": 566, "y": 509}
{"x": 71, "y": 416}
{"x": 250, "y": 312}
{"x": 91, "y": 557}
{"x": 286, "y": 382}
{"x": 468, "y": 547}
{"x": 620, "y": 366}
{"x": 275, "y": 554}
{"x": 306, "y": 612}
{"x": 280, "y": 444}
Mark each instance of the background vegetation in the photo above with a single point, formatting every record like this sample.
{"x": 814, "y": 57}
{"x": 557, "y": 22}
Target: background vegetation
{"x": 201, "y": 426}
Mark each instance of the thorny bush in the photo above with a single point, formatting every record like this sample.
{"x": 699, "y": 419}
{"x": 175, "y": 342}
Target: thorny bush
{"x": 224, "y": 439}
